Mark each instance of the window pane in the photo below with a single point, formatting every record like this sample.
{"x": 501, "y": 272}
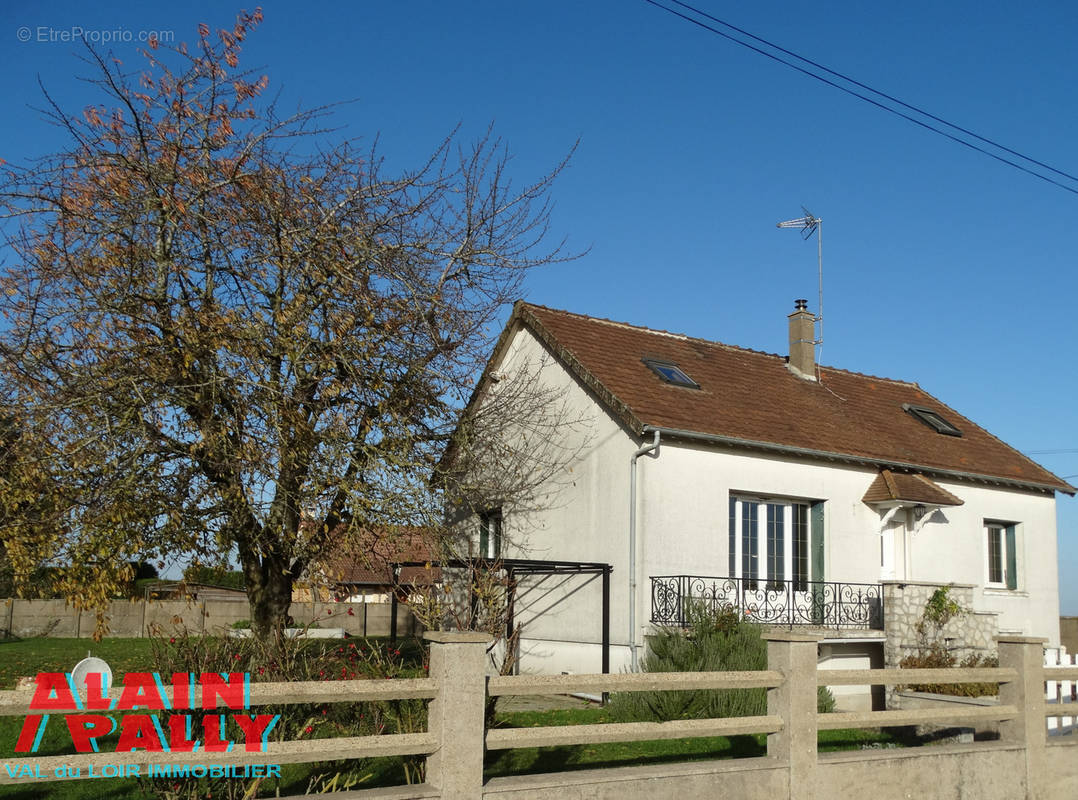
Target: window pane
{"x": 671, "y": 373}
{"x": 995, "y": 555}
{"x": 775, "y": 537}
{"x": 490, "y": 534}
{"x": 776, "y": 540}
{"x": 749, "y": 543}
{"x": 801, "y": 547}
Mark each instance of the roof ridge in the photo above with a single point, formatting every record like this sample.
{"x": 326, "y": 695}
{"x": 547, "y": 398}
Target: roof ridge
{"x": 713, "y": 343}
{"x": 659, "y": 331}
{"x": 606, "y": 321}
{"x": 870, "y": 376}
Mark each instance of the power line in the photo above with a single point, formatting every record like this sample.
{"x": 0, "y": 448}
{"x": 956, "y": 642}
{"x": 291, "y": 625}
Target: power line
{"x": 867, "y": 99}
{"x": 1051, "y": 452}
{"x": 855, "y": 82}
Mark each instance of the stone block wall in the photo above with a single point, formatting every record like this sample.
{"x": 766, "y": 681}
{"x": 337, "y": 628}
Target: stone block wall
{"x": 903, "y": 606}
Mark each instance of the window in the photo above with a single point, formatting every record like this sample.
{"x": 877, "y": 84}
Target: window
{"x": 770, "y": 539}
{"x": 670, "y": 373}
{"x": 1002, "y": 555}
{"x": 932, "y": 419}
{"x": 490, "y": 534}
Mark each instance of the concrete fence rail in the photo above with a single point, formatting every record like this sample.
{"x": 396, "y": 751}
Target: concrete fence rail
{"x": 138, "y": 618}
{"x": 1023, "y": 762}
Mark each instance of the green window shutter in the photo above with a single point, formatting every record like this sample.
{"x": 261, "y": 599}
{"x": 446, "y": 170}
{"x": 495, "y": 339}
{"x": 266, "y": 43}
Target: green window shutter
{"x": 484, "y": 535}
{"x": 817, "y": 542}
{"x": 731, "y": 540}
{"x": 819, "y": 599}
{"x": 1012, "y": 559}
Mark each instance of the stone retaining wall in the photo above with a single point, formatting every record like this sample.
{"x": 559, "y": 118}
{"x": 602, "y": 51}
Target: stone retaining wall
{"x": 972, "y": 633}
{"x": 903, "y": 606}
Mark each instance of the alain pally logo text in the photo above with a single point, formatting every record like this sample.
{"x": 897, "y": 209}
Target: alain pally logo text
{"x": 168, "y": 732}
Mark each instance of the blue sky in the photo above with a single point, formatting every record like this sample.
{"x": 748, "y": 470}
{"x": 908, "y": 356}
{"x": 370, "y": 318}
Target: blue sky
{"x": 941, "y": 265}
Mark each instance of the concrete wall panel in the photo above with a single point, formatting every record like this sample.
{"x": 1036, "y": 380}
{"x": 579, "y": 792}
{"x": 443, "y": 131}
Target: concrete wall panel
{"x": 136, "y": 618}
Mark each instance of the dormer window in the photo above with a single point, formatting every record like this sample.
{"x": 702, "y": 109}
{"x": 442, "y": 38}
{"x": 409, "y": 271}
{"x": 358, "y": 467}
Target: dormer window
{"x": 932, "y": 419}
{"x": 670, "y": 373}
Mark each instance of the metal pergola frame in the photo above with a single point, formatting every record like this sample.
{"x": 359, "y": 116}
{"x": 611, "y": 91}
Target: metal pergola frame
{"x": 514, "y": 568}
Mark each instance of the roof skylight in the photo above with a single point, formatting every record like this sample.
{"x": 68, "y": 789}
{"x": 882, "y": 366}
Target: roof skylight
{"x": 932, "y": 419}
{"x": 670, "y": 373}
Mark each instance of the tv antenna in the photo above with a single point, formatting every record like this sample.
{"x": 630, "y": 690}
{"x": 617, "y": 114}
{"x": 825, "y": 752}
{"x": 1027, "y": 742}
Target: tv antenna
{"x": 809, "y": 225}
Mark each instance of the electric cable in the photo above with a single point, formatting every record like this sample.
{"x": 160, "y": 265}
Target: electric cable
{"x": 867, "y": 99}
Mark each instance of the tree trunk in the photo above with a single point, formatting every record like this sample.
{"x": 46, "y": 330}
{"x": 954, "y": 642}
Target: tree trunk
{"x": 270, "y": 599}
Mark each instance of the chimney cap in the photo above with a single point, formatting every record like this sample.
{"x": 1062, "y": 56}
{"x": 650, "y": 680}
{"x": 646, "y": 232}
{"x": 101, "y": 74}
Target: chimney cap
{"x": 800, "y": 304}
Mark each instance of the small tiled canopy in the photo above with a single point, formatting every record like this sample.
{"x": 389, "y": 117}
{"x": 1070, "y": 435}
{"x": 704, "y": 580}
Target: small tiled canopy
{"x": 908, "y": 487}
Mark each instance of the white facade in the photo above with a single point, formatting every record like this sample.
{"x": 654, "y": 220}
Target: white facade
{"x": 683, "y": 518}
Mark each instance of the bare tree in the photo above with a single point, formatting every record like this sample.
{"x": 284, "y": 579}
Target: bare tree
{"x": 225, "y": 337}
{"x": 514, "y": 451}
{"x": 515, "y": 445}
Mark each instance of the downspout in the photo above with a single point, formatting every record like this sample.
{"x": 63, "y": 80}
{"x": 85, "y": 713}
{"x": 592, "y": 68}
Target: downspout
{"x": 648, "y": 448}
{"x": 907, "y": 567}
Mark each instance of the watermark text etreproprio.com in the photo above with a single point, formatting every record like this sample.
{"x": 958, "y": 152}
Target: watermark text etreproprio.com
{"x": 48, "y": 34}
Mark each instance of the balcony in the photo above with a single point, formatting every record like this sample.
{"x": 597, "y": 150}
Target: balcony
{"x": 822, "y": 604}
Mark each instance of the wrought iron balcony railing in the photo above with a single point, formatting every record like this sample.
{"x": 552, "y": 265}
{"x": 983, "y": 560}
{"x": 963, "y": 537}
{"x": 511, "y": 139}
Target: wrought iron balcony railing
{"x": 825, "y": 604}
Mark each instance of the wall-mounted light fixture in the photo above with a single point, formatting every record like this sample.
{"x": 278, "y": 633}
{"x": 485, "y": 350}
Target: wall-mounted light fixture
{"x": 919, "y": 512}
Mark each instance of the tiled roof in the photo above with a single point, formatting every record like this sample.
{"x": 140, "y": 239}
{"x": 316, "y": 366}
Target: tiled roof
{"x": 910, "y": 487}
{"x": 367, "y": 562}
{"x": 750, "y": 398}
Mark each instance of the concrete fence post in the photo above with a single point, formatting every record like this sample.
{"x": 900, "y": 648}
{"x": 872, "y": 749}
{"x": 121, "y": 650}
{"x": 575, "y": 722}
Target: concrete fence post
{"x": 794, "y": 655}
{"x": 455, "y": 716}
{"x": 1025, "y": 654}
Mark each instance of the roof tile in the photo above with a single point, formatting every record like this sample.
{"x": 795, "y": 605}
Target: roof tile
{"x": 751, "y": 396}
{"x": 908, "y": 487}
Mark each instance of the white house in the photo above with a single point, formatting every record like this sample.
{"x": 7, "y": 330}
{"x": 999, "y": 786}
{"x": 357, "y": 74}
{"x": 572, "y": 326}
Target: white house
{"x": 800, "y": 494}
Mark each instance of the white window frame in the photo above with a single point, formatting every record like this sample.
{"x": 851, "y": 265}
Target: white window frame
{"x": 1000, "y": 547}
{"x": 762, "y": 577}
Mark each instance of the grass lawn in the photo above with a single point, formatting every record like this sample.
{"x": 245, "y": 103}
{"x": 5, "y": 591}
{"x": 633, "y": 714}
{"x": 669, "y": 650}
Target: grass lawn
{"x": 552, "y": 759}
{"x": 27, "y": 657}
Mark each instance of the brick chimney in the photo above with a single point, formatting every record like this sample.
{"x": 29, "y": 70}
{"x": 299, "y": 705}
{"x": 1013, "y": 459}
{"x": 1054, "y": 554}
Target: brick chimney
{"x": 802, "y": 359}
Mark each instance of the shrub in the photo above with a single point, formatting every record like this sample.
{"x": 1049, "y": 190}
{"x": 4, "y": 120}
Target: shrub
{"x": 931, "y": 652}
{"x": 939, "y": 609}
{"x": 288, "y": 659}
{"x": 214, "y": 576}
{"x": 937, "y": 657}
{"x": 715, "y": 642}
